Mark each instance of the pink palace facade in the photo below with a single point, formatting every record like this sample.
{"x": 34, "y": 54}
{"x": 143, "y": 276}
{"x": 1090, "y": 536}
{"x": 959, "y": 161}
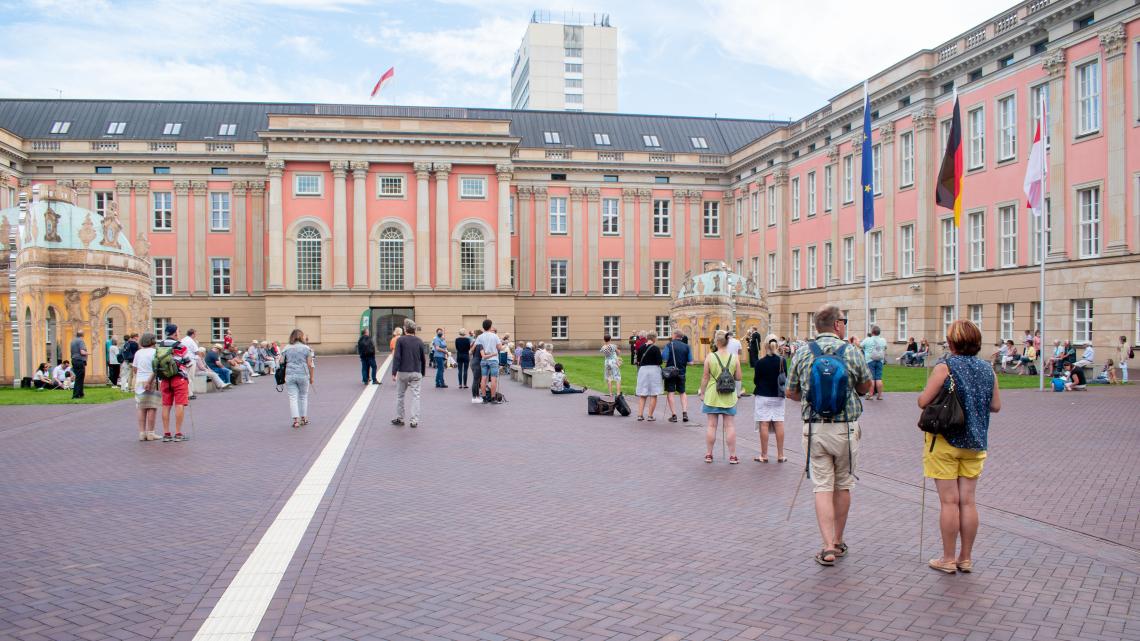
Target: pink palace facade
{"x": 263, "y": 217}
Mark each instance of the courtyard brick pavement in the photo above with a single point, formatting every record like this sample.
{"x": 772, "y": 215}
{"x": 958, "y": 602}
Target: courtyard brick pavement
{"x": 531, "y": 520}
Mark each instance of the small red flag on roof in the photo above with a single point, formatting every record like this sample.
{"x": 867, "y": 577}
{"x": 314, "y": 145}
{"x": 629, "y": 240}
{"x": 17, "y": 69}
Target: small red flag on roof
{"x": 387, "y": 75}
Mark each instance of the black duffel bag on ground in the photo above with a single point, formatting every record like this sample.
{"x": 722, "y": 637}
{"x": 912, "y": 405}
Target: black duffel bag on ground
{"x": 598, "y": 405}
{"x": 621, "y": 406}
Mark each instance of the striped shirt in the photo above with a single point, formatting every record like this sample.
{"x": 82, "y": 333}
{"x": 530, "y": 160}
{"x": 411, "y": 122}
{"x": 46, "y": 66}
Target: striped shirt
{"x": 799, "y": 380}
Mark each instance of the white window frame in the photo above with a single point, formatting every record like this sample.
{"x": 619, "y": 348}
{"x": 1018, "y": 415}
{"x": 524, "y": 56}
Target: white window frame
{"x": 976, "y": 226}
{"x": 906, "y": 159}
{"x": 1089, "y": 222}
{"x": 906, "y": 250}
{"x": 221, "y": 277}
{"x": 756, "y": 267}
{"x": 796, "y": 268}
{"x": 795, "y": 326}
{"x": 102, "y": 200}
{"x": 976, "y": 128}
{"x": 1035, "y": 94}
{"x": 811, "y": 194}
{"x": 227, "y": 129}
{"x": 162, "y": 211}
{"x": 710, "y": 219}
{"x": 60, "y": 126}
{"x": 812, "y": 267}
{"x": 611, "y": 326}
{"x": 401, "y": 184}
{"x": 876, "y": 240}
{"x": 116, "y": 128}
{"x": 1007, "y": 127}
{"x": 828, "y": 263}
{"x": 828, "y": 187}
{"x": 172, "y": 129}
{"x": 1083, "y": 316}
{"x": 159, "y": 326}
{"x": 949, "y": 243}
{"x": 662, "y": 220}
{"x": 795, "y": 186}
{"x": 771, "y": 206}
{"x": 1088, "y": 97}
{"x": 947, "y": 318}
{"x": 473, "y": 187}
{"x": 559, "y": 277}
{"x": 848, "y": 179}
{"x": 1035, "y": 239}
{"x": 755, "y": 209}
{"x": 849, "y": 259}
{"x": 699, "y": 142}
{"x": 163, "y": 268}
{"x": 771, "y": 271}
{"x": 611, "y": 278}
{"x": 1006, "y": 321}
{"x": 662, "y": 277}
{"x": 218, "y": 327}
{"x": 976, "y": 314}
{"x": 557, "y": 223}
{"x": 559, "y": 328}
{"x": 902, "y": 319}
{"x": 611, "y": 217}
{"x": 221, "y": 213}
{"x": 390, "y": 259}
{"x": 877, "y": 170}
{"x": 650, "y": 140}
{"x": 1007, "y": 235}
{"x": 552, "y": 137}
{"x": 298, "y": 192}
{"x": 601, "y": 139}
{"x": 662, "y": 325}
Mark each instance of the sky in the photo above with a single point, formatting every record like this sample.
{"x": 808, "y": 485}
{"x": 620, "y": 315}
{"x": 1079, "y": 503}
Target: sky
{"x": 733, "y": 58}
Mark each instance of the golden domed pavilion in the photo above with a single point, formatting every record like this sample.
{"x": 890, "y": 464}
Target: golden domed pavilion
{"x": 714, "y": 300}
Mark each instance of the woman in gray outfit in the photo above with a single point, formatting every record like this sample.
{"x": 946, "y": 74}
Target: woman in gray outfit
{"x": 297, "y": 358}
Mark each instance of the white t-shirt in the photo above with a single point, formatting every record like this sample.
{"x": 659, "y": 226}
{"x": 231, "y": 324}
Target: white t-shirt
{"x": 59, "y": 373}
{"x": 190, "y": 344}
{"x": 733, "y": 346}
{"x": 42, "y": 376}
{"x": 144, "y": 368}
{"x": 488, "y": 343}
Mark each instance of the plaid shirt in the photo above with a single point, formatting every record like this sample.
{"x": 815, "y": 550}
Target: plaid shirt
{"x": 799, "y": 380}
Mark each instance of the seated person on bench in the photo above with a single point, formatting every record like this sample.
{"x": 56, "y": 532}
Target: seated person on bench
{"x": 559, "y": 384}
{"x": 526, "y": 357}
{"x": 1026, "y": 361}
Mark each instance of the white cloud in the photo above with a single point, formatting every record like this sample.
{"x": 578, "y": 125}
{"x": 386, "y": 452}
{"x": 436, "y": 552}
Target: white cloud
{"x": 306, "y": 46}
{"x": 485, "y": 50}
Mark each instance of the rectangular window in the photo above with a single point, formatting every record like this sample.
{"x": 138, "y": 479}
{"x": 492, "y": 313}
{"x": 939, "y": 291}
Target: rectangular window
{"x": 220, "y": 276}
{"x": 795, "y": 326}
{"x": 472, "y": 187}
{"x": 163, "y": 276}
{"x": 511, "y": 215}
{"x": 1038, "y": 94}
{"x": 661, "y": 180}
{"x": 227, "y": 129}
{"x": 828, "y": 187}
{"x": 558, "y": 215}
{"x": 662, "y": 270}
{"x": 307, "y": 185}
{"x": 947, "y": 318}
{"x": 661, "y": 220}
{"x": 811, "y": 325}
{"x": 1007, "y": 221}
{"x": 573, "y": 67}
{"x": 699, "y": 143}
{"x": 1007, "y": 128}
{"x": 610, "y": 217}
{"x": 116, "y": 128}
{"x": 162, "y": 215}
{"x": 1136, "y": 338}
{"x": 611, "y": 326}
{"x": 812, "y": 279}
{"x": 559, "y": 328}
{"x": 650, "y": 140}
{"x": 949, "y": 246}
{"x": 159, "y": 171}
{"x": 558, "y": 270}
{"x": 1088, "y": 206}
{"x": 872, "y": 316}
{"x": 160, "y": 323}
{"x": 61, "y": 126}
{"x": 944, "y": 133}
{"x": 901, "y": 319}
{"x": 573, "y": 98}
{"x": 977, "y": 125}
{"x": 795, "y": 198}
{"x": 1088, "y": 98}
{"x": 552, "y": 137}
{"x": 609, "y": 178}
{"x": 848, "y": 259}
{"x": 877, "y": 169}
{"x": 390, "y": 186}
{"x": 848, "y": 179}
{"x": 811, "y": 193}
{"x": 661, "y": 324}
{"x": 514, "y": 273}
{"x": 1082, "y": 320}
{"x": 711, "y": 218}
{"x": 754, "y": 210}
{"x": 219, "y": 211}
{"x": 601, "y": 139}
{"x": 610, "y": 278}
{"x": 906, "y": 251}
{"x": 771, "y": 206}
{"x": 218, "y": 327}
{"x": 975, "y": 312}
{"x": 1006, "y": 330}
{"x": 977, "y": 222}
{"x": 103, "y": 201}
{"x": 828, "y": 263}
{"x": 1035, "y": 314}
{"x": 219, "y": 171}
{"x": 771, "y": 272}
{"x": 906, "y": 159}
{"x": 795, "y": 269}
{"x": 739, "y": 265}
{"x": 172, "y": 129}
{"x": 876, "y": 240}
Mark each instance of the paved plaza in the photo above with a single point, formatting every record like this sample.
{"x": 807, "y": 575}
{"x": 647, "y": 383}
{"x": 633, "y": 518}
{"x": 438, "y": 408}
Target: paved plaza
{"x": 532, "y": 520}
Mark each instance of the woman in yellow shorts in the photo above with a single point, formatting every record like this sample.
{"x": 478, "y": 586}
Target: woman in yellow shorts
{"x": 956, "y": 465}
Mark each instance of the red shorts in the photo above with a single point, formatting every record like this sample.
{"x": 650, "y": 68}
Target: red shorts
{"x": 175, "y": 391}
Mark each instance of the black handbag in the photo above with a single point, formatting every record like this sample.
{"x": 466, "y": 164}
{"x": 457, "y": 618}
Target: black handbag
{"x": 782, "y": 380}
{"x": 671, "y": 372}
{"x": 598, "y": 406}
{"x": 944, "y": 415}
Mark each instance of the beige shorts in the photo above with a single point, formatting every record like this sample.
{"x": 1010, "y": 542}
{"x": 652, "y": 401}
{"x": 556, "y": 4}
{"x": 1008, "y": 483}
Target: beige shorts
{"x": 830, "y": 464}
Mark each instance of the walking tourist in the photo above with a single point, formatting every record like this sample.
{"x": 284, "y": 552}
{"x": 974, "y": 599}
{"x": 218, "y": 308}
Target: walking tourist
{"x": 875, "y": 351}
{"x": 831, "y": 423}
{"x": 171, "y": 363}
{"x": 78, "y": 363}
{"x": 408, "y": 369}
{"x": 955, "y": 462}
{"x": 396, "y": 334}
{"x": 768, "y": 409}
{"x": 489, "y": 343}
{"x": 611, "y": 365}
{"x": 366, "y": 350}
{"x": 476, "y": 366}
{"x": 439, "y": 356}
{"x": 113, "y": 365}
{"x": 147, "y": 397}
{"x": 462, "y": 356}
{"x": 560, "y": 385}
{"x": 676, "y": 357}
{"x": 297, "y": 359}
{"x": 719, "y": 382}
{"x": 649, "y": 382}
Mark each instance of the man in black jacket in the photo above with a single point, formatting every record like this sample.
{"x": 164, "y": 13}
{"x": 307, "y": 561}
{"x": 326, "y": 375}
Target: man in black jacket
{"x": 409, "y": 363}
{"x": 366, "y": 349}
{"x": 753, "y": 347}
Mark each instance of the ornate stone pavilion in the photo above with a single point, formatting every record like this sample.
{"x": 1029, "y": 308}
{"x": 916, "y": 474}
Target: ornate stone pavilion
{"x": 717, "y": 299}
{"x": 74, "y": 269}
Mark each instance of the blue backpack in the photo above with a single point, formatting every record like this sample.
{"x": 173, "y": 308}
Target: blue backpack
{"x": 827, "y": 393}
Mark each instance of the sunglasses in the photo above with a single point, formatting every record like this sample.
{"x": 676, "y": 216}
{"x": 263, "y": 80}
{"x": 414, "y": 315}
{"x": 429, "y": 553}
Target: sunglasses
{"x": 841, "y": 320}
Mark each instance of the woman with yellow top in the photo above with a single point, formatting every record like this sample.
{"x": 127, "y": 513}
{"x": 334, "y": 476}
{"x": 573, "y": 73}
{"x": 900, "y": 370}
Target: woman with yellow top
{"x": 722, "y": 404}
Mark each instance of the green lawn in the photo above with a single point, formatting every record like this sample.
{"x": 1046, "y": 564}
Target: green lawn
{"x": 92, "y": 395}
{"x": 587, "y": 370}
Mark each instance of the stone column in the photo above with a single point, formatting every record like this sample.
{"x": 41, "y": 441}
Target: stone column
{"x": 783, "y": 254}
{"x": 695, "y": 196}
{"x": 503, "y": 176}
{"x": 276, "y": 277}
{"x": 123, "y": 201}
{"x": 238, "y": 190}
{"x": 201, "y": 216}
{"x": 860, "y": 237}
{"x": 1114, "y": 41}
{"x": 762, "y": 203}
{"x": 577, "y": 287}
{"x": 257, "y": 233}
{"x": 1054, "y": 65}
{"x": 423, "y": 226}
{"x": 359, "y": 224}
{"x": 746, "y": 222}
{"x": 442, "y": 226}
{"x": 727, "y": 229}
{"x": 340, "y": 223}
{"x": 645, "y": 231}
{"x": 526, "y": 238}
{"x": 140, "y": 211}
{"x": 593, "y": 233}
{"x": 628, "y": 233}
{"x": 182, "y": 228}
{"x": 926, "y": 230}
{"x": 887, "y": 140}
{"x": 541, "y": 230}
{"x": 680, "y": 198}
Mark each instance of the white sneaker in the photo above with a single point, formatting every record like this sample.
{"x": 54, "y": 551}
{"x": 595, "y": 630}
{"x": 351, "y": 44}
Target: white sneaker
{"x": 142, "y": 436}
{"x": 476, "y": 400}
{"x": 256, "y": 374}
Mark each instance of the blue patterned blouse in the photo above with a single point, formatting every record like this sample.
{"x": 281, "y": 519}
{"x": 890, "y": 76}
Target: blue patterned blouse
{"x": 974, "y": 379}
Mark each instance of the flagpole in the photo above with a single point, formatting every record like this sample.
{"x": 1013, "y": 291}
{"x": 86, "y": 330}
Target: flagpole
{"x": 1043, "y": 221}
{"x": 958, "y": 241}
{"x": 866, "y": 237}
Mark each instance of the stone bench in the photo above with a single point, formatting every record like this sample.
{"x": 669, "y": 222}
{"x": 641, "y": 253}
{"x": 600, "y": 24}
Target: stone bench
{"x": 516, "y": 373}
{"x": 537, "y": 379}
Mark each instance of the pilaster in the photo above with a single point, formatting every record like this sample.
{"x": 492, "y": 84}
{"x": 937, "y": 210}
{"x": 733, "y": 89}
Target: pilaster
{"x": 182, "y": 231}
{"x": 140, "y": 212}
{"x": 727, "y": 228}
{"x": 680, "y": 198}
{"x": 503, "y": 174}
{"x": 423, "y": 226}
{"x": 125, "y": 205}
{"x": 541, "y": 230}
{"x": 783, "y": 216}
{"x": 359, "y": 224}
{"x": 340, "y": 224}
{"x": 276, "y": 276}
{"x": 526, "y": 238}
{"x": 238, "y": 190}
{"x": 694, "y": 265}
{"x": 577, "y": 287}
{"x": 593, "y": 233}
{"x": 1054, "y": 64}
{"x": 645, "y": 231}
{"x": 887, "y": 140}
{"x": 201, "y": 216}
{"x": 628, "y": 232}
{"x": 1113, "y": 40}
{"x": 442, "y": 226}
{"x": 257, "y": 232}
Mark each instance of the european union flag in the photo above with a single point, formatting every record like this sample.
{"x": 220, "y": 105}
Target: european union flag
{"x": 868, "y": 165}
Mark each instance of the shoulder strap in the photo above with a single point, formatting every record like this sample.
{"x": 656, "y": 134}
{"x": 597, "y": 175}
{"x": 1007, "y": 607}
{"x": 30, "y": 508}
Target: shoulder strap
{"x": 842, "y": 348}
{"x": 718, "y": 360}
{"x": 815, "y": 350}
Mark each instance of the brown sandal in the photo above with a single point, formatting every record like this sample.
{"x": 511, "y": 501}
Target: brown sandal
{"x": 948, "y": 568}
{"x": 821, "y": 556}
{"x": 966, "y": 566}
{"x": 759, "y": 459}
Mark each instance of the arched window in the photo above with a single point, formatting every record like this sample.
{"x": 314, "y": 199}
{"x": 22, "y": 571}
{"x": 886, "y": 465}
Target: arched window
{"x": 471, "y": 259}
{"x": 391, "y": 260}
{"x": 309, "y": 259}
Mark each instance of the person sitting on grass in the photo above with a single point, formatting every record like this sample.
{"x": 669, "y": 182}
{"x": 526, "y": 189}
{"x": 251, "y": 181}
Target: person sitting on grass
{"x": 42, "y": 378}
{"x": 63, "y": 376}
{"x": 559, "y": 384}
{"x": 1108, "y": 374}
{"x": 1074, "y": 379}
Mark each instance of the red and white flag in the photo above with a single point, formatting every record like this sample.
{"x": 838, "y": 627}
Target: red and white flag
{"x": 387, "y": 75}
{"x": 1035, "y": 171}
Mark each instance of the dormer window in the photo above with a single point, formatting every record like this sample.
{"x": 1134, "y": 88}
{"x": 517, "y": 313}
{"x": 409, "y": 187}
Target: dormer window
{"x": 699, "y": 142}
{"x": 172, "y": 129}
{"x": 116, "y": 128}
{"x": 227, "y": 129}
{"x": 650, "y": 141}
{"x": 601, "y": 139}
{"x": 60, "y": 126}
{"x": 552, "y": 137}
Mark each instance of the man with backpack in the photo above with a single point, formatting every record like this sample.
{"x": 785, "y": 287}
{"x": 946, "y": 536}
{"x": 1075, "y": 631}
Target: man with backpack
{"x": 126, "y": 358}
{"x": 170, "y": 363}
{"x": 875, "y": 352}
{"x": 829, "y": 376}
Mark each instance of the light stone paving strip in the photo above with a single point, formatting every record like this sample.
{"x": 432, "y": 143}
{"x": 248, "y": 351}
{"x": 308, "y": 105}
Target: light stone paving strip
{"x": 241, "y": 607}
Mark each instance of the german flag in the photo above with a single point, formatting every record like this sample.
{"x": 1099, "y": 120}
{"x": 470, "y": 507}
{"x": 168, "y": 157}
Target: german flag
{"x": 949, "y": 192}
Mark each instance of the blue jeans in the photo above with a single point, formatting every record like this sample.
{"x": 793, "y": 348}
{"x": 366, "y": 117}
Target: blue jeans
{"x": 440, "y": 366}
{"x": 367, "y": 369}
{"x": 222, "y": 373}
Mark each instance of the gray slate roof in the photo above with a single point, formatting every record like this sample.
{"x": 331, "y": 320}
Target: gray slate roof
{"x": 33, "y": 119}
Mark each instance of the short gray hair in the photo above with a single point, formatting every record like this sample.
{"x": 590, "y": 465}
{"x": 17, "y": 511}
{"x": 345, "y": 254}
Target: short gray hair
{"x": 875, "y": 330}
{"x": 825, "y": 318}
{"x": 409, "y": 324}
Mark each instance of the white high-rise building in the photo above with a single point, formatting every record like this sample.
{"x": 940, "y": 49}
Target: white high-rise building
{"x": 569, "y": 65}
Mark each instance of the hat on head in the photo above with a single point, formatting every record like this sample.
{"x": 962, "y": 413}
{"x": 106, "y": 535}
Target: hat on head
{"x": 171, "y": 328}
{"x": 530, "y": 345}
